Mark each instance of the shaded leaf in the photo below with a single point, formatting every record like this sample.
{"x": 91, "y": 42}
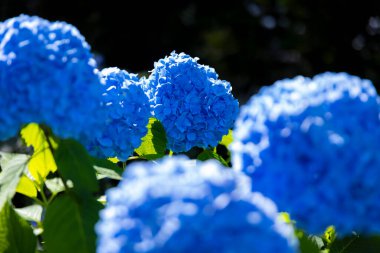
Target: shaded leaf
{"x": 356, "y": 244}
{"x": 42, "y": 161}
{"x": 208, "y": 154}
{"x": 16, "y": 235}
{"x": 307, "y": 245}
{"x": 69, "y": 224}
{"x": 153, "y": 144}
{"x": 107, "y": 168}
{"x": 107, "y": 164}
{"x": 76, "y": 165}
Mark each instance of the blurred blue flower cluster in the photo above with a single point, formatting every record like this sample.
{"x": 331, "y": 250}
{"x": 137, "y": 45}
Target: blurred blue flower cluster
{"x": 47, "y": 75}
{"x": 194, "y": 106}
{"x": 178, "y": 206}
{"x": 313, "y": 146}
{"x": 127, "y": 113}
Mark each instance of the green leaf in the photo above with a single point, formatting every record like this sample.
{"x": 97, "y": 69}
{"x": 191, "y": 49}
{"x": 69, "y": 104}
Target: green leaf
{"x": 113, "y": 159}
{"x": 76, "y": 165}
{"x": 356, "y": 244}
{"x": 16, "y": 235}
{"x": 307, "y": 245}
{"x": 329, "y": 236}
{"x": 208, "y": 154}
{"x": 105, "y": 163}
{"x": 69, "y": 224}
{"x": 153, "y": 145}
{"x": 13, "y": 167}
{"x": 27, "y": 187}
{"x": 30, "y": 213}
{"x": 42, "y": 161}
{"x": 227, "y": 139}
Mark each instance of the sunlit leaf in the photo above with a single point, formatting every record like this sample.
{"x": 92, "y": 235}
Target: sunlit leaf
{"x": 27, "y": 187}
{"x": 42, "y": 161}
{"x": 30, "y": 213}
{"x": 113, "y": 159}
{"x": 13, "y": 167}
{"x": 109, "y": 173}
{"x": 55, "y": 185}
{"x": 227, "y": 139}
{"x": 153, "y": 145}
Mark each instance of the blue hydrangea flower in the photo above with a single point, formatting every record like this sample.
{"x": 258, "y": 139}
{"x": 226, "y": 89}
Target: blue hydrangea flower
{"x": 313, "y": 146}
{"x": 127, "y": 115}
{"x": 176, "y": 205}
{"x": 193, "y": 105}
{"x": 47, "y": 75}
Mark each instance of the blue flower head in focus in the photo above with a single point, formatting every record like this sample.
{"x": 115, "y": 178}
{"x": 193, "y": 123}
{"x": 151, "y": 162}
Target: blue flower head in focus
{"x": 48, "y": 75}
{"x": 193, "y": 105}
{"x": 176, "y": 205}
{"x": 313, "y": 146}
{"x": 127, "y": 115}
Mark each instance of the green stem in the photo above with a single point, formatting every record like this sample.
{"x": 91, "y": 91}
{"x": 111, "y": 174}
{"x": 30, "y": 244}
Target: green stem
{"x": 39, "y": 202}
{"x": 41, "y": 190}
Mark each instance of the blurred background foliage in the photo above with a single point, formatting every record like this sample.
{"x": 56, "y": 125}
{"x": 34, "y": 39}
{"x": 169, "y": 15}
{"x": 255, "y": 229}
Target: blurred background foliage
{"x": 250, "y": 43}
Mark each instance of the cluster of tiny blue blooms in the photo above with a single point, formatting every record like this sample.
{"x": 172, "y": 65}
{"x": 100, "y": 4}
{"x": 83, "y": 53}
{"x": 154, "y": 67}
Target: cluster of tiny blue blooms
{"x": 179, "y": 205}
{"x": 313, "y": 146}
{"x": 193, "y": 105}
{"x": 127, "y": 112}
{"x": 47, "y": 75}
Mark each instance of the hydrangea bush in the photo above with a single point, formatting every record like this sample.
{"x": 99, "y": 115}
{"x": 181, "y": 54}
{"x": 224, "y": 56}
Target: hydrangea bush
{"x": 174, "y": 206}
{"x": 309, "y": 145}
{"x": 194, "y": 106}
{"x": 49, "y": 76}
{"x": 312, "y": 145}
{"x": 127, "y": 113}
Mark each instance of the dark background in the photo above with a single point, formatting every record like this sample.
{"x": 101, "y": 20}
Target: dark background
{"x": 249, "y": 43}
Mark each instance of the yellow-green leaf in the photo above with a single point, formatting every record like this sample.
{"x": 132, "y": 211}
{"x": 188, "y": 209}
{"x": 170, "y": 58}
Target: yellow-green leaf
{"x": 113, "y": 159}
{"x": 227, "y": 139}
{"x": 42, "y": 162}
{"x": 153, "y": 145}
{"x": 26, "y": 186}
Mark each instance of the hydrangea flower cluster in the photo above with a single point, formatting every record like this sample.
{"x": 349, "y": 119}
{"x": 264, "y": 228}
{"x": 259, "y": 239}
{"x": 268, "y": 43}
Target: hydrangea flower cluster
{"x": 176, "y": 206}
{"x": 313, "y": 146}
{"x": 47, "y": 75}
{"x": 193, "y": 105}
{"x": 127, "y": 112}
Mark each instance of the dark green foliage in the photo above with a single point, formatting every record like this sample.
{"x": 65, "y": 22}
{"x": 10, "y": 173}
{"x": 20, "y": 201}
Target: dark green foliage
{"x": 69, "y": 224}
{"x": 75, "y": 164}
{"x": 16, "y": 235}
